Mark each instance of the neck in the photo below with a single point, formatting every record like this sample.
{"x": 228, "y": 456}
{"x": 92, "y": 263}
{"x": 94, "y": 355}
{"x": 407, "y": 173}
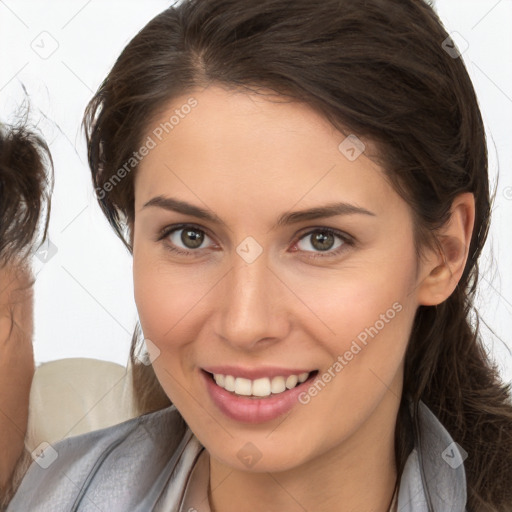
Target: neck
{"x": 358, "y": 474}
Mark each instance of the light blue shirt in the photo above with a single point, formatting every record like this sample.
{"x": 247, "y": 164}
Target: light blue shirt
{"x": 145, "y": 464}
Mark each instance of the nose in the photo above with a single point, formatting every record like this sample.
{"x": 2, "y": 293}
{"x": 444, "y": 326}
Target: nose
{"x": 252, "y": 310}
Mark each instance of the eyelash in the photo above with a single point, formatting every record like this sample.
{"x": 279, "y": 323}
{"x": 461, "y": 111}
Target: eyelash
{"x": 346, "y": 239}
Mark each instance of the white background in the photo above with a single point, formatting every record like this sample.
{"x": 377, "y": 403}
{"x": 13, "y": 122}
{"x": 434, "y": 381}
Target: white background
{"x": 84, "y": 294}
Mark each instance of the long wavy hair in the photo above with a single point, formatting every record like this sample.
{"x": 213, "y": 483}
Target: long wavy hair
{"x": 377, "y": 69}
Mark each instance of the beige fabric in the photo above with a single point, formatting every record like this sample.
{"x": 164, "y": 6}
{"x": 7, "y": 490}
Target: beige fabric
{"x": 72, "y": 396}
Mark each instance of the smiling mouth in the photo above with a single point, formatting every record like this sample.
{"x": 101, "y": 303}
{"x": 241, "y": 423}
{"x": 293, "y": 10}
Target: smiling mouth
{"x": 262, "y": 387}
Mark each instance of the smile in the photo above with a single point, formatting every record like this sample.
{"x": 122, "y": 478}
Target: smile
{"x": 262, "y": 387}
{"x": 257, "y": 399}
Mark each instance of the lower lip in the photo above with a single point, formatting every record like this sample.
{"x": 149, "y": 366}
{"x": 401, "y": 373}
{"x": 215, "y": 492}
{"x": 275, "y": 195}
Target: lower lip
{"x": 254, "y": 410}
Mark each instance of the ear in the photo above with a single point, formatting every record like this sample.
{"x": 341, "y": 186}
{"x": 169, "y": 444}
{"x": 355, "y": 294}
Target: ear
{"x": 444, "y": 268}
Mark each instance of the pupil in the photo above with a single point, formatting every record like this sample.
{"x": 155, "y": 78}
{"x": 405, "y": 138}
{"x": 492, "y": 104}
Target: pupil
{"x": 322, "y": 238}
{"x": 194, "y": 240}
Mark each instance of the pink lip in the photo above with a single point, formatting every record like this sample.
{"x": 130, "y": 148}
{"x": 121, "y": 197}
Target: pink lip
{"x": 255, "y": 373}
{"x": 253, "y": 410}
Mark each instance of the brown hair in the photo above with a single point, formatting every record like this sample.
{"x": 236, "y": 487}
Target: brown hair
{"x": 26, "y": 181}
{"x": 377, "y": 69}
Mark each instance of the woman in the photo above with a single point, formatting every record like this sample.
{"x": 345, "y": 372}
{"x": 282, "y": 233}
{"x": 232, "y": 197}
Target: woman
{"x": 304, "y": 189}
{"x": 25, "y": 162}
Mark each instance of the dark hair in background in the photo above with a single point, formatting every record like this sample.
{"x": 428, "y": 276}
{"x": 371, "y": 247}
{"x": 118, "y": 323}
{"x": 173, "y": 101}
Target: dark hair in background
{"x": 377, "y": 69}
{"x": 26, "y": 181}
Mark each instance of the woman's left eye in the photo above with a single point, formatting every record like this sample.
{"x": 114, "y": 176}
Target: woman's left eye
{"x": 186, "y": 239}
{"x": 323, "y": 240}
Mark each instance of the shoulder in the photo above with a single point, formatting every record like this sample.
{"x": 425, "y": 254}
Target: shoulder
{"x": 112, "y": 465}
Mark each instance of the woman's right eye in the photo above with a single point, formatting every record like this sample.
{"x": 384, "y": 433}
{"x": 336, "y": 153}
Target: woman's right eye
{"x": 185, "y": 239}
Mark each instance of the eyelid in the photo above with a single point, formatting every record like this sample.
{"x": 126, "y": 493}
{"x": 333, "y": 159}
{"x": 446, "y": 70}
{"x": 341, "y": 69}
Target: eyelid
{"x": 337, "y": 232}
{"x": 167, "y": 230}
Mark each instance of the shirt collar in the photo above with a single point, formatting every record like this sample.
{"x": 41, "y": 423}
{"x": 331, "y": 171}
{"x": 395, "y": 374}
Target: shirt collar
{"x": 434, "y": 477}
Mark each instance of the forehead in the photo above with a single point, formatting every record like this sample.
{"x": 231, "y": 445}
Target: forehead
{"x": 253, "y": 148}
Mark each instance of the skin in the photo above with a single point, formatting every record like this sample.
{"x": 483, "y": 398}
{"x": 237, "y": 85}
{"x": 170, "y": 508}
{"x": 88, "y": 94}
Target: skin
{"x": 16, "y": 363}
{"x": 250, "y": 160}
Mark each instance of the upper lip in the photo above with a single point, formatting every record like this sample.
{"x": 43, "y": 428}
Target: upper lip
{"x": 255, "y": 373}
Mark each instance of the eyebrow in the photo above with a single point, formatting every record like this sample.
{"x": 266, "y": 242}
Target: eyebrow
{"x": 287, "y": 218}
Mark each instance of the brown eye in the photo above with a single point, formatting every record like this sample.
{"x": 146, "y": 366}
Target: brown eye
{"x": 323, "y": 240}
{"x": 192, "y": 238}
{"x": 183, "y": 239}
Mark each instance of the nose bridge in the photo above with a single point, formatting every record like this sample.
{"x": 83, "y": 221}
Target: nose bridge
{"x": 249, "y": 304}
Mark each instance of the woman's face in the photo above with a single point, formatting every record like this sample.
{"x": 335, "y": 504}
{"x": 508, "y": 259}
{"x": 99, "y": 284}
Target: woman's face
{"x": 260, "y": 291}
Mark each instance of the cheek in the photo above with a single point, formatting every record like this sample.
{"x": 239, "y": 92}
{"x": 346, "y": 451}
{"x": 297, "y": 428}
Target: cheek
{"x": 162, "y": 311}
{"x": 166, "y": 298}
{"x": 347, "y": 301}
{"x": 157, "y": 302}
{"x": 367, "y": 313}
{"x": 150, "y": 293}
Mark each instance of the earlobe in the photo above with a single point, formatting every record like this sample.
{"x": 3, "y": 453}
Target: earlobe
{"x": 444, "y": 267}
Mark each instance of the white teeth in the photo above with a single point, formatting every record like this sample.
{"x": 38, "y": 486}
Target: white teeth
{"x": 291, "y": 381}
{"x": 229, "y": 383}
{"x": 303, "y": 377}
{"x": 278, "y": 385}
{"x": 242, "y": 386}
{"x": 259, "y": 387}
